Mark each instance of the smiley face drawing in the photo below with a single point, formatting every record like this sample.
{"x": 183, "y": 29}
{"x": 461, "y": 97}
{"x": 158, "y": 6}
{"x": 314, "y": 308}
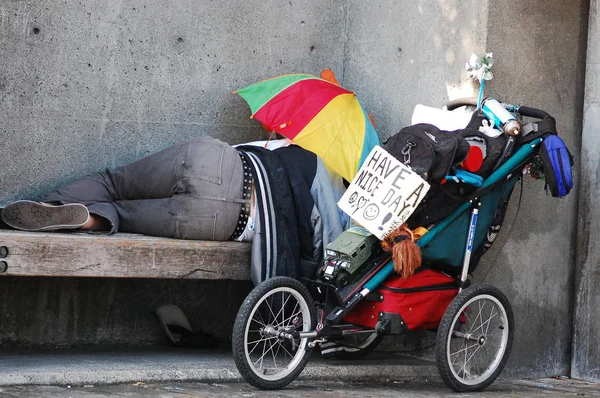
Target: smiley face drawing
{"x": 371, "y": 212}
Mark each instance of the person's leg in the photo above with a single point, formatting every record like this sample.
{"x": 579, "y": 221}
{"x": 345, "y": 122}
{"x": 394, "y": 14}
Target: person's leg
{"x": 206, "y": 202}
{"x": 152, "y": 177}
{"x": 96, "y": 223}
{"x": 149, "y": 195}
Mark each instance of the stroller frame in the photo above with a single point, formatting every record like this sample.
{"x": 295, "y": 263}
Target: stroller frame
{"x": 334, "y": 304}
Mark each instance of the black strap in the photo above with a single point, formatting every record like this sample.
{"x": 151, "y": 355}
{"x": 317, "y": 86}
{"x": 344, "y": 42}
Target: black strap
{"x": 477, "y": 194}
{"x": 535, "y": 130}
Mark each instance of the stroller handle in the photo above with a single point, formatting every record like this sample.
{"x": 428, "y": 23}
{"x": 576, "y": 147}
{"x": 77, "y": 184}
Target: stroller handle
{"x": 533, "y": 112}
{"x": 522, "y": 110}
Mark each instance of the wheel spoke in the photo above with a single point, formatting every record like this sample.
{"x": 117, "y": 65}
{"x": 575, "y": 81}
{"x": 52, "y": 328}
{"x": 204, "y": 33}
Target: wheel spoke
{"x": 492, "y": 315}
{"x": 275, "y": 321}
{"x": 262, "y": 321}
{"x": 261, "y": 339}
{"x": 278, "y": 348}
{"x": 285, "y": 349}
{"x": 462, "y": 345}
{"x": 467, "y": 316}
{"x": 271, "y": 309}
{"x": 464, "y": 349}
{"x": 283, "y": 305}
{"x": 259, "y": 322}
{"x": 469, "y": 359}
{"x": 290, "y": 318}
{"x": 273, "y": 354}
{"x": 257, "y": 344}
{"x": 263, "y": 355}
{"x": 486, "y": 323}
{"x": 477, "y": 317}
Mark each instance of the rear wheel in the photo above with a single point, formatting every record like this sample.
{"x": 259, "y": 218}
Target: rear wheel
{"x": 263, "y": 355}
{"x": 474, "y": 338}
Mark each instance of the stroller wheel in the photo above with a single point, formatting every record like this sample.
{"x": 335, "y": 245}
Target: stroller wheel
{"x": 474, "y": 338}
{"x": 264, "y": 357}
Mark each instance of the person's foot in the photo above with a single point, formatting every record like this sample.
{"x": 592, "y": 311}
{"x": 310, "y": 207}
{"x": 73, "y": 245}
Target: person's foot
{"x": 27, "y": 215}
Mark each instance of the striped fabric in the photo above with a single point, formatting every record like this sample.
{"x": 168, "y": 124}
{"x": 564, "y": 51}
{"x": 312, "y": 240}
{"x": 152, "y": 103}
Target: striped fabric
{"x": 266, "y": 215}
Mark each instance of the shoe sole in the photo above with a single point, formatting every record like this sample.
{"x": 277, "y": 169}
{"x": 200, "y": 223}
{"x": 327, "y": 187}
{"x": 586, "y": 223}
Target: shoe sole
{"x": 33, "y": 216}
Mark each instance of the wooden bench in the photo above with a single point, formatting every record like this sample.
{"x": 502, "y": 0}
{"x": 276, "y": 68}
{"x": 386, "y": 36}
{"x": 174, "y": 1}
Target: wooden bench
{"x": 120, "y": 256}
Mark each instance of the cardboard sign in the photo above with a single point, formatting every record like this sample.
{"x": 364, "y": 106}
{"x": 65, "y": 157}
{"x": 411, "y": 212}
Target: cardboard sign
{"x": 383, "y": 194}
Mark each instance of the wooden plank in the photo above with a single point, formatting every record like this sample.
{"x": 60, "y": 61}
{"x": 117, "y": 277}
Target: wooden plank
{"x": 122, "y": 256}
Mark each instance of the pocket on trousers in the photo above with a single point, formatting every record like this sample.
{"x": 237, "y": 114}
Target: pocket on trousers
{"x": 195, "y": 226}
{"x": 204, "y": 160}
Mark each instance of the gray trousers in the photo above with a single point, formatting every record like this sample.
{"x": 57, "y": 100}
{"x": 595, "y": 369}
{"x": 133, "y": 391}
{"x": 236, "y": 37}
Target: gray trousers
{"x": 191, "y": 190}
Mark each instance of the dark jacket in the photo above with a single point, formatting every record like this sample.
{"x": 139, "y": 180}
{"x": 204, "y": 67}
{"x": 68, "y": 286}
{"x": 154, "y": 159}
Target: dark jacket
{"x": 283, "y": 179}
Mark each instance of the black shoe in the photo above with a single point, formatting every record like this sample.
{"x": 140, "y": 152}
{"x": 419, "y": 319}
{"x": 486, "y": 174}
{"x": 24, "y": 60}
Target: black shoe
{"x": 2, "y": 223}
{"x": 34, "y": 216}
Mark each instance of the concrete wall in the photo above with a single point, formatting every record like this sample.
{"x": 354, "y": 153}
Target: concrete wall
{"x": 586, "y": 350}
{"x": 539, "y": 67}
{"x": 101, "y": 83}
{"x": 93, "y": 84}
{"x": 403, "y": 53}
{"x": 86, "y": 85}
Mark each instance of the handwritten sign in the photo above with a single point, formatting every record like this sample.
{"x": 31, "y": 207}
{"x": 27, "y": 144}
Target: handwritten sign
{"x": 383, "y": 194}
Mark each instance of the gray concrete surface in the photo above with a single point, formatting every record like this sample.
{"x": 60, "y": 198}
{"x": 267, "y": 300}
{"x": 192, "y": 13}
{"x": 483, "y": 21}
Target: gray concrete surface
{"x": 173, "y": 372}
{"x": 403, "y": 53}
{"x": 586, "y": 351}
{"x": 309, "y": 389}
{"x": 536, "y": 266}
{"x": 83, "y": 312}
{"x": 79, "y": 368}
{"x": 93, "y": 84}
{"x": 396, "y": 386}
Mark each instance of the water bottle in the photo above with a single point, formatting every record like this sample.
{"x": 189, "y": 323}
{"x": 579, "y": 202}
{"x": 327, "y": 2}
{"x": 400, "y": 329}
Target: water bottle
{"x": 502, "y": 119}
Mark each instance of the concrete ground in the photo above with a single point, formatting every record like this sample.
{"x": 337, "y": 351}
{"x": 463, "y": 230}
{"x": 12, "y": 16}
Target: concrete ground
{"x": 173, "y": 372}
{"x": 309, "y": 389}
{"x": 158, "y": 364}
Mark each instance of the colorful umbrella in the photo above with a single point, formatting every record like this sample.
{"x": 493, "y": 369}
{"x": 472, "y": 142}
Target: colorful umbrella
{"x": 316, "y": 114}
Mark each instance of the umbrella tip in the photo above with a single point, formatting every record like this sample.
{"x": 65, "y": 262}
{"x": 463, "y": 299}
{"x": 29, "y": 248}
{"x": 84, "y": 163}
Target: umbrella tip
{"x": 234, "y": 92}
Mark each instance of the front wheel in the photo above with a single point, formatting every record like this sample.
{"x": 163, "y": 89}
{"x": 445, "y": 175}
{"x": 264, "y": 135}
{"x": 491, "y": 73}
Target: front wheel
{"x": 474, "y": 338}
{"x": 265, "y": 357}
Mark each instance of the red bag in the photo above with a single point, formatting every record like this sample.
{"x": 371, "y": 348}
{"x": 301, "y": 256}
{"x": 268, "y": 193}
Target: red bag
{"x": 420, "y": 300}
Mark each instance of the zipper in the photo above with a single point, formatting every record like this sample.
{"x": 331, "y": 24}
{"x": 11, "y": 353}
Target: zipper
{"x": 562, "y": 172}
{"x": 441, "y": 286}
{"x": 549, "y": 174}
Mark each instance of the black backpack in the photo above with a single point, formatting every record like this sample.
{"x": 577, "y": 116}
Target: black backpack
{"x": 429, "y": 151}
{"x": 432, "y": 153}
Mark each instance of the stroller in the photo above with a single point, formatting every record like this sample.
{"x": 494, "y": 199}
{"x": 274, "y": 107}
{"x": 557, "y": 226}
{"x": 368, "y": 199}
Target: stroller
{"x": 282, "y": 319}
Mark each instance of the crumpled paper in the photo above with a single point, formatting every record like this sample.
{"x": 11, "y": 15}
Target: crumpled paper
{"x": 480, "y": 67}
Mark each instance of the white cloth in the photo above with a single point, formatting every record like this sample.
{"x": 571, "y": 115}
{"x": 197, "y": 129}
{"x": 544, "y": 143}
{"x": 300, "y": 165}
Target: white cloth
{"x": 442, "y": 119}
